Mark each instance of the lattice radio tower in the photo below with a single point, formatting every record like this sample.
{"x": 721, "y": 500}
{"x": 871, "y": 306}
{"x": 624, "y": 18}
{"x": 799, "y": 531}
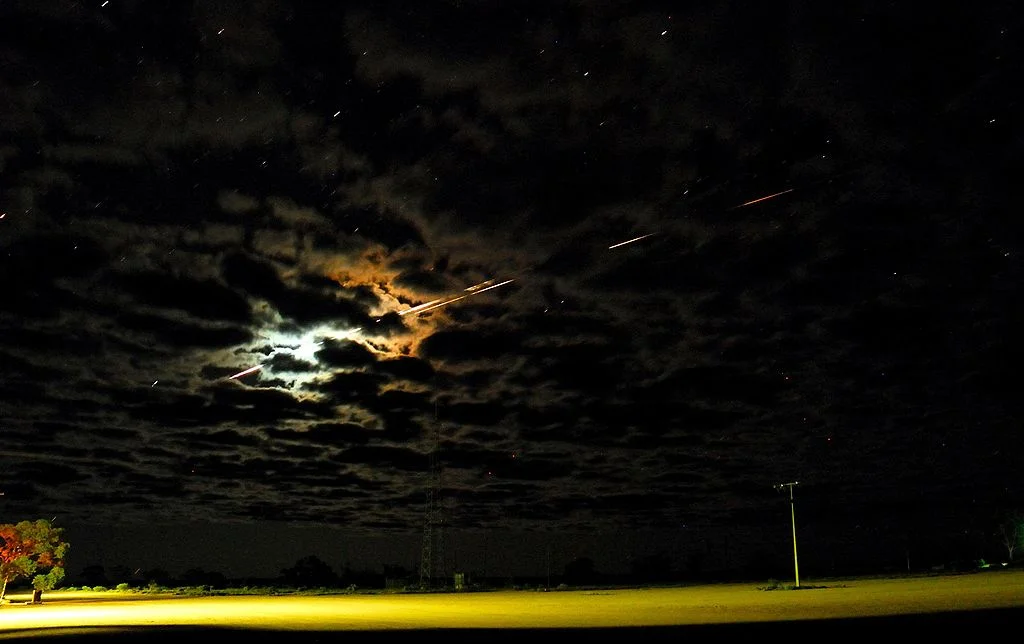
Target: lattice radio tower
{"x": 433, "y": 528}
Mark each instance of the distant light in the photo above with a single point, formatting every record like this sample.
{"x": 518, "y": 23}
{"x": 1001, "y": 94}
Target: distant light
{"x": 105, "y": 3}
{"x": 664, "y": 32}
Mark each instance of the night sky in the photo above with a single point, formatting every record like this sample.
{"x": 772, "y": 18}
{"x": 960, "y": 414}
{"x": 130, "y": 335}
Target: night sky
{"x": 189, "y": 190}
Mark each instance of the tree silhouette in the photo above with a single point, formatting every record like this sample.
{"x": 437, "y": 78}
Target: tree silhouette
{"x": 1011, "y": 532}
{"x": 200, "y": 577}
{"x": 310, "y": 572}
{"x": 94, "y": 575}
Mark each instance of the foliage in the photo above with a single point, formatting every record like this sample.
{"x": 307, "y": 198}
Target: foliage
{"x": 93, "y": 575}
{"x": 310, "y": 572}
{"x": 200, "y": 577}
{"x": 158, "y": 577}
{"x": 49, "y": 580}
{"x": 31, "y": 547}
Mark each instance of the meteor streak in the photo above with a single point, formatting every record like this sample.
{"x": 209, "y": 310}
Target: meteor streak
{"x": 420, "y": 307}
{"x": 476, "y": 289}
{"x": 630, "y": 241}
{"x": 777, "y": 194}
{"x": 493, "y": 286}
{"x": 446, "y": 302}
{"x": 247, "y": 371}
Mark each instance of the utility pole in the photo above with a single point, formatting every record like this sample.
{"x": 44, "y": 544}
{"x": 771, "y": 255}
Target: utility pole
{"x": 792, "y": 516}
{"x": 547, "y": 563}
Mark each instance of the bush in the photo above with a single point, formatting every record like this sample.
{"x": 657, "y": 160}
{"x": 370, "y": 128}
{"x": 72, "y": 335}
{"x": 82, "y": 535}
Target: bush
{"x": 123, "y": 587}
{"x": 99, "y": 589}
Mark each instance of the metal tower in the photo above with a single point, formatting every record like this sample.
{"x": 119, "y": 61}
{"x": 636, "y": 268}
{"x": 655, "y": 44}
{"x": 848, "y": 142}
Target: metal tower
{"x": 432, "y": 523}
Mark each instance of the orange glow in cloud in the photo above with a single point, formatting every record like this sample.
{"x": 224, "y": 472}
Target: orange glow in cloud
{"x": 372, "y": 271}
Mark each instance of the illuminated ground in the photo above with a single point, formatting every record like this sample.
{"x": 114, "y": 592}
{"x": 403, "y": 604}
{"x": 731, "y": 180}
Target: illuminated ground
{"x": 711, "y": 604}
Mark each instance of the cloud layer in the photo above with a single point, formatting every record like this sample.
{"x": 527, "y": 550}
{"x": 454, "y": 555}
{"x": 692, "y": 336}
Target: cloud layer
{"x": 196, "y": 192}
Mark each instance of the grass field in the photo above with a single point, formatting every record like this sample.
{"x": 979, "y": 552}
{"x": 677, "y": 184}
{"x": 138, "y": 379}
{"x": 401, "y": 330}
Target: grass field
{"x": 708, "y": 604}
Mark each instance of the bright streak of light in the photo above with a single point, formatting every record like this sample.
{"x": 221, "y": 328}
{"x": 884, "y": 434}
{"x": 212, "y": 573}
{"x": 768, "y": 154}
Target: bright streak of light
{"x": 247, "y": 371}
{"x": 476, "y": 289}
{"x": 494, "y": 286}
{"x": 777, "y": 194}
{"x": 445, "y": 303}
{"x": 420, "y": 307}
{"x": 630, "y": 241}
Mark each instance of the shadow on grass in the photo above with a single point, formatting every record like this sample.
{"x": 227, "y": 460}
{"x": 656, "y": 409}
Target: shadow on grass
{"x": 775, "y": 585}
{"x": 922, "y": 625}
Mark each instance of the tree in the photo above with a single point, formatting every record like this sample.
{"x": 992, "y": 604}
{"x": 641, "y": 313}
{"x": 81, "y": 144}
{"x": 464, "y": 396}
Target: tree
{"x": 1011, "y": 532}
{"x": 94, "y": 575}
{"x": 310, "y": 572}
{"x": 46, "y": 581}
{"x": 157, "y": 576}
{"x": 31, "y": 547}
{"x": 200, "y": 577}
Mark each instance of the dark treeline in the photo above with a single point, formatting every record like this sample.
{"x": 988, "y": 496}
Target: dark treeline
{"x": 310, "y": 572}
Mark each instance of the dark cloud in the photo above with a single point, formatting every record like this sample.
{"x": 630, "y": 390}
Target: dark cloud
{"x": 407, "y": 368}
{"x": 283, "y": 362}
{"x": 47, "y": 474}
{"x": 384, "y": 456}
{"x": 474, "y": 413}
{"x": 177, "y": 333}
{"x": 424, "y": 281}
{"x": 199, "y": 298}
{"x": 459, "y": 346}
{"x": 345, "y": 354}
{"x": 224, "y": 438}
{"x": 302, "y": 305}
{"x": 32, "y": 267}
{"x": 351, "y": 387}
